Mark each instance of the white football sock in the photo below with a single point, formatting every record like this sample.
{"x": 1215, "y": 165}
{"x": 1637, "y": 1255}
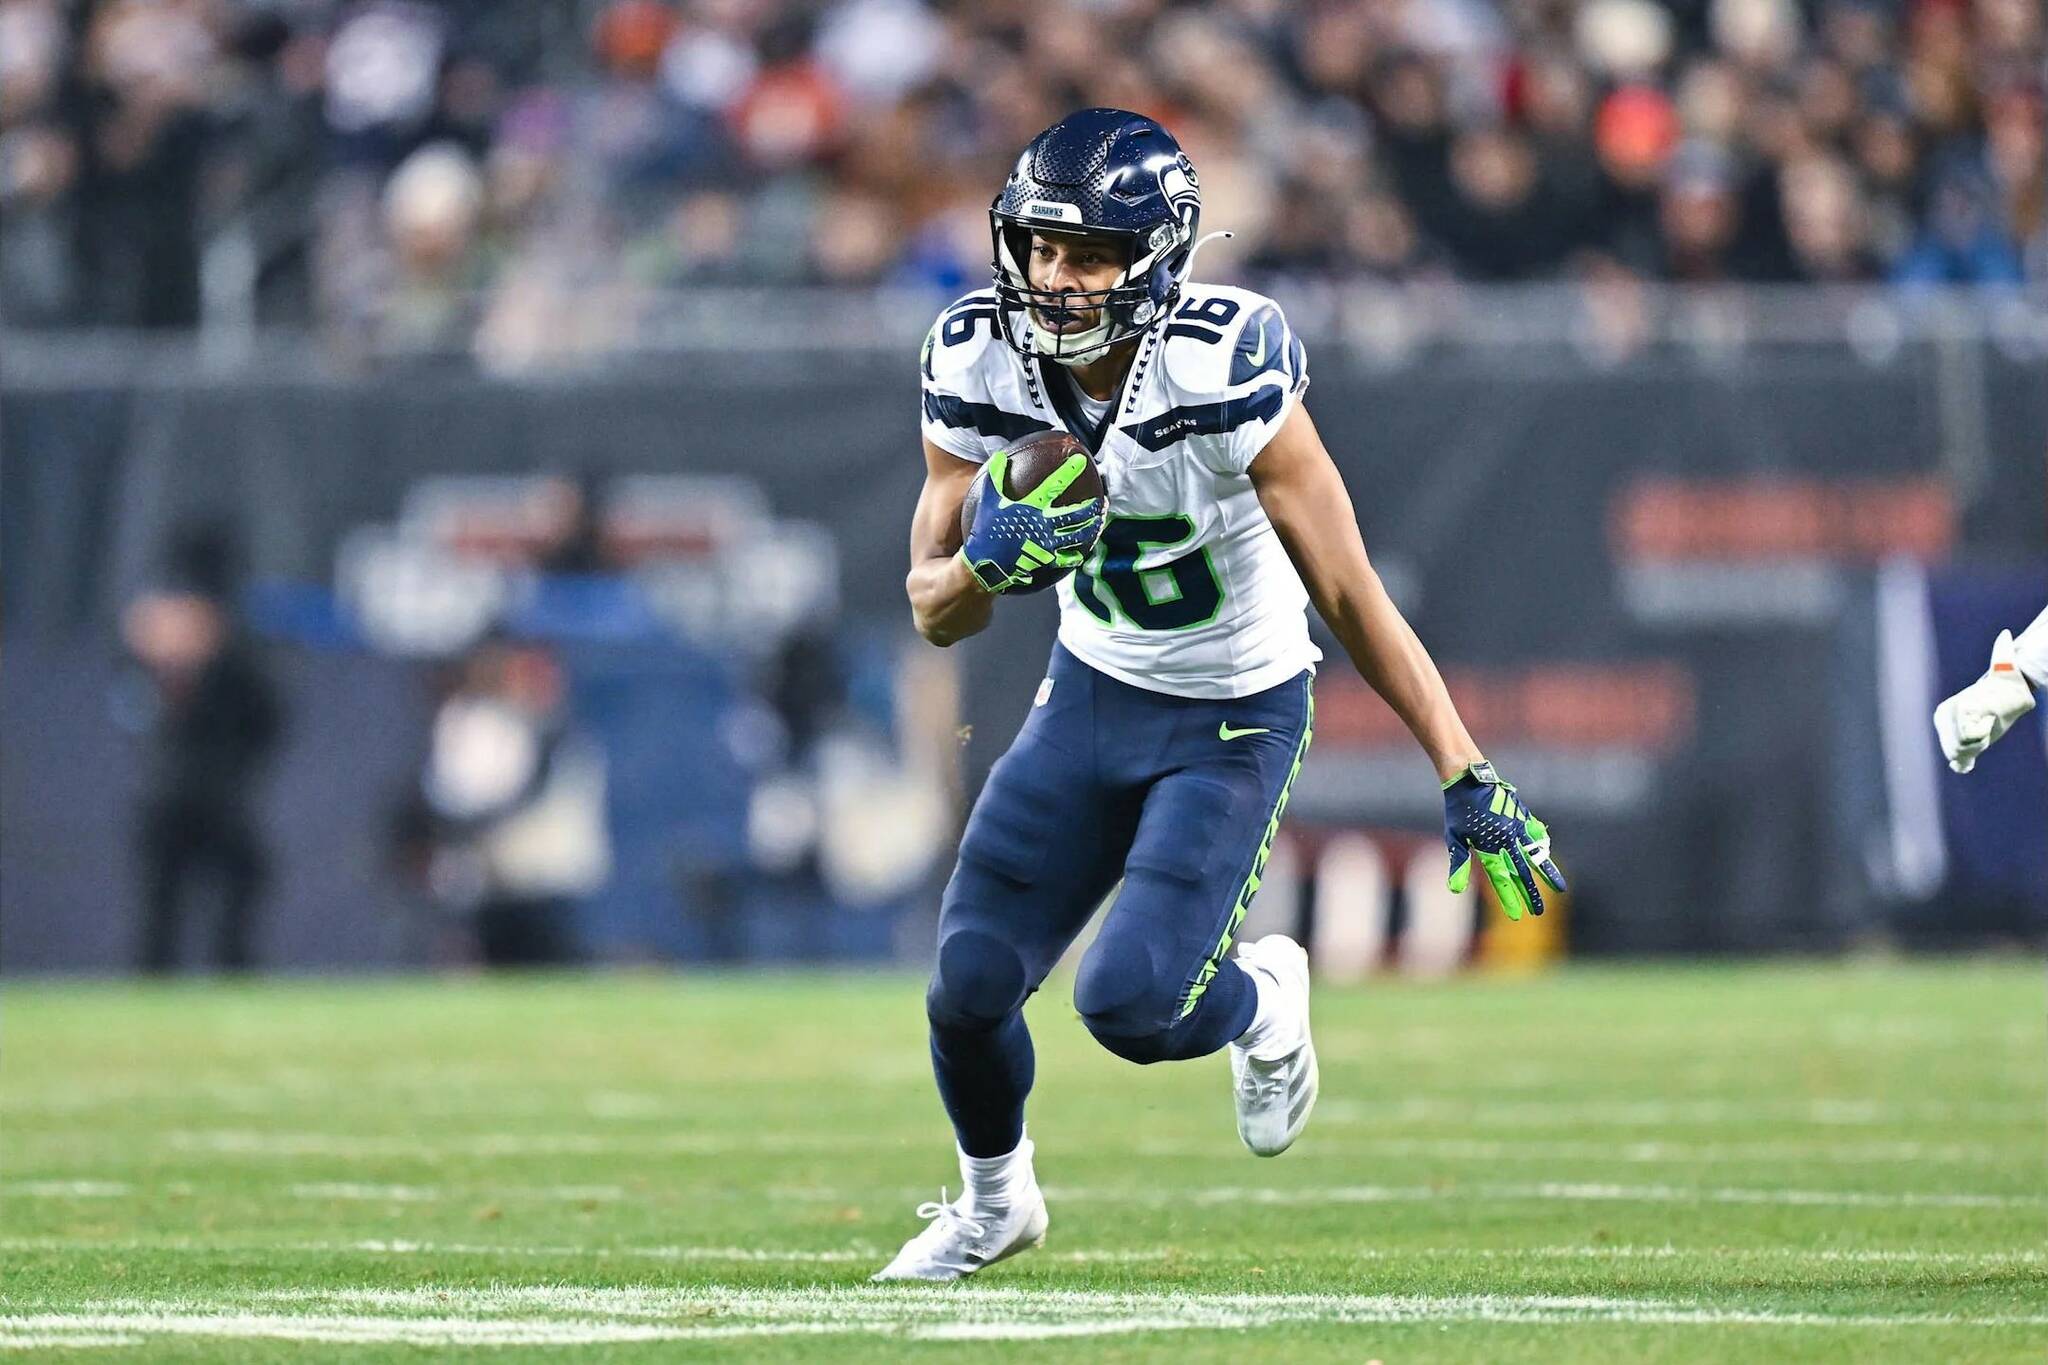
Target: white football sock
{"x": 991, "y": 1181}
{"x": 1273, "y": 1031}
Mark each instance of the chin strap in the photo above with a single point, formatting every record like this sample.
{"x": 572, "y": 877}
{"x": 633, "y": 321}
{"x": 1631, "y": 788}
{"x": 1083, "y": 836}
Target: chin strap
{"x": 1089, "y": 352}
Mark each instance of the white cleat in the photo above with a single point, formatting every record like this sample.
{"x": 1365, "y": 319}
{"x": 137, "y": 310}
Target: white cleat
{"x": 1276, "y": 1090}
{"x": 975, "y": 1230}
{"x": 963, "y": 1237}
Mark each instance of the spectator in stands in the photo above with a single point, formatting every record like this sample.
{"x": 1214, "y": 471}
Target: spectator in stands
{"x": 142, "y": 135}
{"x": 38, "y": 169}
{"x": 1699, "y": 217}
{"x": 1825, "y": 221}
{"x": 1963, "y": 241}
{"x": 265, "y": 172}
{"x": 2016, "y": 150}
{"x": 1382, "y": 242}
{"x": 1887, "y": 160}
{"x": 1504, "y": 222}
{"x": 1635, "y": 134}
{"x": 852, "y": 142}
{"x": 433, "y": 218}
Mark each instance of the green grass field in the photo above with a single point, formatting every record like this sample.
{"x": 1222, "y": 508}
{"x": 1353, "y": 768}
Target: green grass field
{"x": 1840, "y": 1163}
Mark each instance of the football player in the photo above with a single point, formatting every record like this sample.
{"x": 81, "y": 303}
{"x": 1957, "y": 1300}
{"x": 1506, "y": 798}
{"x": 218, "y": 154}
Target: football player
{"x": 1973, "y": 719}
{"x": 1173, "y": 718}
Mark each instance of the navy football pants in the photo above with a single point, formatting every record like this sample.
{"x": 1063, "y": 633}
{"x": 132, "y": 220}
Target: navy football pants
{"x": 1179, "y": 797}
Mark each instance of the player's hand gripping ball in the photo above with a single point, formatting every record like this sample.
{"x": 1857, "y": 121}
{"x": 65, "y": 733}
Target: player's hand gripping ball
{"x": 1032, "y": 515}
{"x": 1485, "y": 820}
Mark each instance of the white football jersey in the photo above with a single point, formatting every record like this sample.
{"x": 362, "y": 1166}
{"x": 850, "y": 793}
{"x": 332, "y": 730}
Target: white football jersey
{"x": 1189, "y": 591}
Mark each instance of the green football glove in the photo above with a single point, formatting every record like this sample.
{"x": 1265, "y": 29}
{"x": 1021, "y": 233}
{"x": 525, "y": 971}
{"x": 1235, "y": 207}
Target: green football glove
{"x": 1484, "y": 820}
{"x": 1013, "y": 540}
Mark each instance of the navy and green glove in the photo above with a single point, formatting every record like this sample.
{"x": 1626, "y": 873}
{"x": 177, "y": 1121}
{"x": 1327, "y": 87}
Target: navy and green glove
{"x": 1485, "y": 820}
{"x": 1013, "y": 539}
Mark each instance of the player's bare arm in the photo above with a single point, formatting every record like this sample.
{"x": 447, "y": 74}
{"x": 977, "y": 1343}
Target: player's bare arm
{"x": 1303, "y": 494}
{"x": 946, "y": 601}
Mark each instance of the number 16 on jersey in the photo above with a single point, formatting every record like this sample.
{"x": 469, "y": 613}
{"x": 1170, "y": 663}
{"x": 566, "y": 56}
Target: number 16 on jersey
{"x": 1178, "y": 595}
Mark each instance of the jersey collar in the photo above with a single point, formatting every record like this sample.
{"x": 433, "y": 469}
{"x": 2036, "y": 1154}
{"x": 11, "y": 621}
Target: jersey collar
{"x": 1059, "y": 392}
{"x": 1057, "y": 387}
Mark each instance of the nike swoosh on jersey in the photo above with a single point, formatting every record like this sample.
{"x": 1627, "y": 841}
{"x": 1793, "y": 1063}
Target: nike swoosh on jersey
{"x": 1224, "y": 732}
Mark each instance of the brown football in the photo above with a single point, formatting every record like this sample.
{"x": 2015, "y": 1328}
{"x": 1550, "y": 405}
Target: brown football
{"x": 1032, "y": 461}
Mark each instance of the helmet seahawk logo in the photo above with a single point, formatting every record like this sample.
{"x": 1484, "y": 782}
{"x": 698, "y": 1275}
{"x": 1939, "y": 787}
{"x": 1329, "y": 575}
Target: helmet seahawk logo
{"x": 1182, "y": 190}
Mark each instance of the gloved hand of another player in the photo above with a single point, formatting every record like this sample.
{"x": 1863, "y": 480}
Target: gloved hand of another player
{"x": 1485, "y": 820}
{"x": 1013, "y": 539}
{"x": 1973, "y": 719}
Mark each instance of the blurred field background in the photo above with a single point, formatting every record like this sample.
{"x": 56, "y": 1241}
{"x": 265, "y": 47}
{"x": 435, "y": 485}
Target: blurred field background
{"x": 455, "y": 463}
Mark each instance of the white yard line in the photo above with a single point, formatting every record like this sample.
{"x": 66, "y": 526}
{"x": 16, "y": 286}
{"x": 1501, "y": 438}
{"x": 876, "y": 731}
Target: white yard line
{"x": 1801, "y": 1255}
{"x": 1678, "y": 1194}
{"x": 43, "y": 1328}
{"x": 860, "y": 1253}
{"x": 1135, "y": 1255}
{"x": 1836, "y": 1112}
{"x": 356, "y": 1190}
{"x": 624, "y": 1105}
{"x": 493, "y": 1094}
{"x": 1336, "y": 1145}
{"x": 917, "y": 1303}
{"x": 1646, "y": 1153}
{"x": 727, "y": 1255}
{"x": 387, "y": 1147}
{"x": 1548, "y": 1190}
{"x": 377, "y": 1147}
{"x": 1165, "y": 1194}
{"x": 28, "y": 1339}
{"x": 556, "y": 1315}
{"x": 418, "y": 1194}
{"x": 381, "y": 1147}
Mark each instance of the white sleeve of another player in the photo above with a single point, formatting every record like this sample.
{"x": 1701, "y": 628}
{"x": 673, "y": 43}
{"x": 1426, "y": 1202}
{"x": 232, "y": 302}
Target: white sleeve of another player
{"x": 1268, "y": 374}
{"x": 2031, "y": 650}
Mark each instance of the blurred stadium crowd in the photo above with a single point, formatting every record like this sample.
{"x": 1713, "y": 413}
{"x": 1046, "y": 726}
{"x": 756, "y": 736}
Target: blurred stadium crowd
{"x": 471, "y": 172}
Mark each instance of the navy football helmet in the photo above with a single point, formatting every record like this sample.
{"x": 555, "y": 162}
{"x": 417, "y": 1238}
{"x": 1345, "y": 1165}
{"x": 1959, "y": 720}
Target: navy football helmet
{"x": 1100, "y": 173}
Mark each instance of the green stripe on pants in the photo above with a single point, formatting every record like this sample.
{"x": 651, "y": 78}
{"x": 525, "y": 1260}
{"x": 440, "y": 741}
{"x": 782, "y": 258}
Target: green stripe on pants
{"x": 1251, "y": 883}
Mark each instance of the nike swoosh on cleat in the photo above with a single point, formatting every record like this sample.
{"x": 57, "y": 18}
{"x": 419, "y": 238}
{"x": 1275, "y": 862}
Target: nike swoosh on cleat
{"x": 1224, "y": 732}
